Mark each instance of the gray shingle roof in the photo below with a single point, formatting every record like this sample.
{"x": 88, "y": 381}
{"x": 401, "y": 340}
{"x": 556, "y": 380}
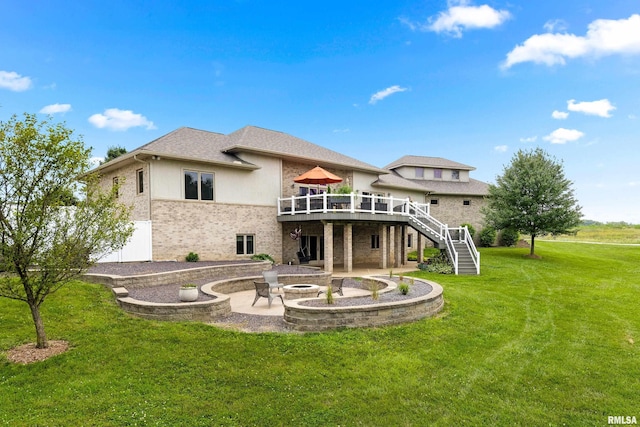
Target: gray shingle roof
{"x": 471, "y": 188}
{"x": 256, "y": 139}
{"x": 428, "y": 162}
{"x": 394, "y": 180}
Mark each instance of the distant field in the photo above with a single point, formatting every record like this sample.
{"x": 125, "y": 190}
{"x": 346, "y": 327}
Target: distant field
{"x": 603, "y": 233}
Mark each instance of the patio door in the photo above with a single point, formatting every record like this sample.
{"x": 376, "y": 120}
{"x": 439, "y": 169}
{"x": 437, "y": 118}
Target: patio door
{"x": 313, "y": 247}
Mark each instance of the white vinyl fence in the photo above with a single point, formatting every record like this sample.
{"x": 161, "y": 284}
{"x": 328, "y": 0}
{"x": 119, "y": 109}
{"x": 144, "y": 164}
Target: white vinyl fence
{"x": 137, "y": 249}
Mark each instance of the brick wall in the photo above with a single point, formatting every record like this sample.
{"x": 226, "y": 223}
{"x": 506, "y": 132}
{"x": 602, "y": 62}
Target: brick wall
{"x": 210, "y": 229}
{"x": 128, "y": 194}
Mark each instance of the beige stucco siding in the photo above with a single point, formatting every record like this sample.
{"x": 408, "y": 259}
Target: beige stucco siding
{"x": 242, "y": 186}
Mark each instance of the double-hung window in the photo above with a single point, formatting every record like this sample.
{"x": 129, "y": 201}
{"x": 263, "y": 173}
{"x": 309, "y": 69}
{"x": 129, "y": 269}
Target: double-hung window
{"x": 198, "y": 185}
{"x": 245, "y": 244}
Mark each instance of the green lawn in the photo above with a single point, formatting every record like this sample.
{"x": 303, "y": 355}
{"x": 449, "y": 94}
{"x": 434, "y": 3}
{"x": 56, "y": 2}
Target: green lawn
{"x": 529, "y": 342}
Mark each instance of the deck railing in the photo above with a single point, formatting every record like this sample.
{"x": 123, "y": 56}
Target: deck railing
{"x": 352, "y": 203}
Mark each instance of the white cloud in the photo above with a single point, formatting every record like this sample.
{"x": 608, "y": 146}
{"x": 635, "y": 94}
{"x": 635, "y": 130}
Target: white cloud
{"x": 500, "y": 148}
{"x": 562, "y": 136}
{"x": 116, "y": 119}
{"x": 345, "y": 130}
{"x": 594, "y": 108}
{"x": 95, "y": 161}
{"x": 529, "y": 139}
{"x": 555, "y": 25}
{"x": 461, "y": 16}
{"x": 14, "y": 81}
{"x": 632, "y": 116}
{"x": 634, "y": 183}
{"x": 379, "y": 96}
{"x": 559, "y": 115}
{"x": 56, "y": 108}
{"x": 604, "y": 37}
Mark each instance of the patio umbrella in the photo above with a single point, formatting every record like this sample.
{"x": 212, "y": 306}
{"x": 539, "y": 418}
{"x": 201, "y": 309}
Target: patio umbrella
{"x": 317, "y": 175}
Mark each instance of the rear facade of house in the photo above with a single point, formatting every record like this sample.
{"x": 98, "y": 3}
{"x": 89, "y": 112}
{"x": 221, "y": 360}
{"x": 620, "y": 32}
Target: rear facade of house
{"x": 227, "y": 197}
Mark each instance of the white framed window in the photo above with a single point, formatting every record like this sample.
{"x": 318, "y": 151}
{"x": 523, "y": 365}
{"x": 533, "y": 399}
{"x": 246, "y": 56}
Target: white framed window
{"x": 198, "y": 185}
{"x": 433, "y": 201}
{"x": 419, "y": 172}
{"x": 455, "y": 175}
{"x": 437, "y": 173}
{"x": 245, "y": 244}
{"x": 466, "y": 203}
{"x": 375, "y": 241}
{"x": 115, "y": 185}
{"x": 140, "y": 181}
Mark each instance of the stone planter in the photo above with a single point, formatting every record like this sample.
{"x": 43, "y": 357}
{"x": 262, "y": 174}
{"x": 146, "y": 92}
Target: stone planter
{"x": 188, "y": 294}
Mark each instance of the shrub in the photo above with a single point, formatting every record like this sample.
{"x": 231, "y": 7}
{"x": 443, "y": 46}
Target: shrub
{"x": 329, "y": 295}
{"x": 471, "y": 228}
{"x": 192, "y": 257}
{"x": 487, "y": 236}
{"x": 403, "y": 287}
{"x": 509, "y": 237}
{"x": 439, "y": 264}
{"x": 188, "y": 286}
{"x": 263, "y": 257}
{"x": 374, "y": 291}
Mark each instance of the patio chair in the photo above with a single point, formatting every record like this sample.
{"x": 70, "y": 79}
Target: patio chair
{"x": 271, "y": 277}
{"x": 336, "y": 286}
{"x": 263, "y": 290}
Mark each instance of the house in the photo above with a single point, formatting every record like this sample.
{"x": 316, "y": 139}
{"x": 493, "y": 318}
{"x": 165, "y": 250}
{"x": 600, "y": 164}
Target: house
{"x": 227, "y": 197}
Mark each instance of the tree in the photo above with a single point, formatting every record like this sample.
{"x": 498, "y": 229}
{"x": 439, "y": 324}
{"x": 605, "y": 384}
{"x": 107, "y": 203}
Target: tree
{"x": 45, "y": 242}
{"x": 113, "y": 152}
{"x": 533, "y": 197}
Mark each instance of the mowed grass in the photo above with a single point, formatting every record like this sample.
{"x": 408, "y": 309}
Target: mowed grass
{"x": 529, "y": 342}
{"x": 618, "y": 232}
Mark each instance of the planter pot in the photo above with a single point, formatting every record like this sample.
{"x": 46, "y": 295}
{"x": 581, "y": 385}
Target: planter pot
{"x": 188, "y": 294}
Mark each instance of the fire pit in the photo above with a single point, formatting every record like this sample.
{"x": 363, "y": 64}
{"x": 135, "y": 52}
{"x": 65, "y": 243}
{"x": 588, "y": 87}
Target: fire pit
{"x": 301, "y": 291}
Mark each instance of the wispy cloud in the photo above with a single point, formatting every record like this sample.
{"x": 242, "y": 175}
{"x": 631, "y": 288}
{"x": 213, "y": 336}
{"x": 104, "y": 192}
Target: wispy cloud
{"x": 604, "y": 37}
{"x": 500, "y": 148}
{"x": 56, "y": 108}
{"x": 594, "y": 108}
{"x": 559, "y": 115}
{"x": 555, "y": 25}
{"x": 14, "y": 81}
{"x": 341, "y": 130}
{"x": 529, "y": 139}
{"x": 120, "y": 120}
{"x": 562, "y": 136}
{"x": 380, "y": 95}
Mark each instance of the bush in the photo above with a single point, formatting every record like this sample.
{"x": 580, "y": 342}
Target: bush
{"x": 509, "y": 237}
{"x": 403, "y": 287}
{"x": 439, "y": 264}
{"x": 472, "y": 230}
{"x": 487, "y": 236}
{"x": 263, "y": 257}
{"x": 192, "y": 257}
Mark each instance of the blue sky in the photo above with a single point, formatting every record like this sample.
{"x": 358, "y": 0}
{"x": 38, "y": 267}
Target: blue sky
{"x": 471, "y": 81}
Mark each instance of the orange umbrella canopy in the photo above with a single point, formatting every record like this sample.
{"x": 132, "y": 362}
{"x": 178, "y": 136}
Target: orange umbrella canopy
{"x": 317, "y": 175}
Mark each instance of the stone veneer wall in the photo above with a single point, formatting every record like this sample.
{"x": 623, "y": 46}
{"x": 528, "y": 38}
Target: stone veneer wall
{"x": 322, "y": 318}
{"x": 210, "y": 229}
{"x": 291, "y": 170}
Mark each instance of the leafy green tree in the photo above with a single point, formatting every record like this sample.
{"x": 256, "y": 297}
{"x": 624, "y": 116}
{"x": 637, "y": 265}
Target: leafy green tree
{"x": 533, "y": 197}
{"x": 113, "y": 152}
{"x": 45, "y": 242}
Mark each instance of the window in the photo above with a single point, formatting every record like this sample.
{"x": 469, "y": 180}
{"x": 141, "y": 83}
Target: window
{"x": 433, "y": 201}
{"x": 466, "y": 203}
{"x": 375, "y": 241}
{"x": 115, "y": 185}
{"x": 455, "y": 175}
{"x": 245, "y": 244}
{"x": 198, "y": 185}
{"x": 140, "y": 177}
{"x": 437, "y": 173}
{"x": 409, "y": 240}
{"x": 419, "y": 172}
